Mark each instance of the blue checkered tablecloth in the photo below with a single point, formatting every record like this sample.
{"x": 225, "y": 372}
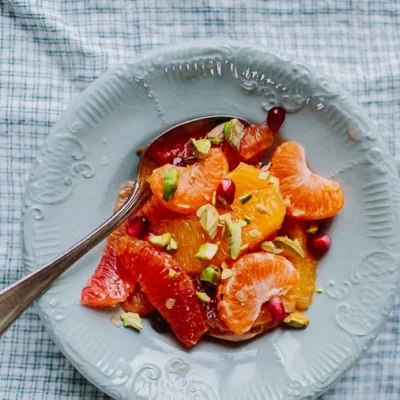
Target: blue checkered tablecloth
{"x": 51, "y": 50}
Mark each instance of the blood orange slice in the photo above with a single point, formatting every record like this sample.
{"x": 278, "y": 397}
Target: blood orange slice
{"x": 177, "y": 142}
{"x": 167, "y": 287}
{"x": 138, "y": 302}
{"x": 109, "y": 284}
{"x": 307, "y": 195}
{"x": 256, "y": 278}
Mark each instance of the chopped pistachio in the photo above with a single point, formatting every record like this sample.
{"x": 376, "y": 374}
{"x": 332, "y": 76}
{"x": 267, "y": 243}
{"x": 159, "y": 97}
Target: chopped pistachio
{"x": 293, "y": 247}
{"x": 170, "y": 183}
{"x": 242, "y": 223}
{"x": 116, "y": 321}
{"x": 204, "y": 297}
{"x": 313, "y": 228}
{"x": 241, "y": 296}
{"x": 191, "y": 173}
{"x": 247, "y": 219}
{"x": 234, "y": 132}
{"x": 224, "y": 265}
{"x": 261, "y": 208}
{"x": 264, "y": 175}
{"x": 214, "y": 198}
{"x": 226, "y": 127}
{"x": 216, "y": 135}
{"x": 297, "y": 320}
{"x": 255, "y": 233}
{"x": 211, "y": 274}
{"x": 208, "y": 215}
{"x": 161, "y": 240}
{"x": 234, "y": 230}
{"x": 172, "y": 246}
{"x": 172, "y": 273}
{"x": 207, "y": 251}
{"x": 132, "y": 320}
{"x": 270, "y": 247}
{"x": 266, "y": 167}
{"x": 245, "y": 198}
{"x": 274, "y": 181}
{"x": 201, "y": 147}
{"x": 170, "y": 303}
{"x": 226, "y": 273}
{"x": 319, "y": 289}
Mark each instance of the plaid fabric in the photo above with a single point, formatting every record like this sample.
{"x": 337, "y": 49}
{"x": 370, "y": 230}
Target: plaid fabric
{"x": 51, "y": 50}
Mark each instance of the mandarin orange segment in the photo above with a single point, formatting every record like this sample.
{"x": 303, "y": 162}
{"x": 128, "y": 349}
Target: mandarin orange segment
{"x": 302, "y": 293}
{"x": 173, "y": 295}
{"x": 307, "y": 195}
{"x": 256, "y": 278}
{"x": 196, "y": 183}
{"x": 265, "y": 208}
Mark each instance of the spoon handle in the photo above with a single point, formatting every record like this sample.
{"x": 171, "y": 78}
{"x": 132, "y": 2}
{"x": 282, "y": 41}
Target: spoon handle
{"x": 17, "y": 297}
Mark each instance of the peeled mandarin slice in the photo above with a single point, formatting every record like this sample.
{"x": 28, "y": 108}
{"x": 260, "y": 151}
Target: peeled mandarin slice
{"x": 307, "y": 195}
{"x": 256, "y": 278}
{"x": 196, "y": 183}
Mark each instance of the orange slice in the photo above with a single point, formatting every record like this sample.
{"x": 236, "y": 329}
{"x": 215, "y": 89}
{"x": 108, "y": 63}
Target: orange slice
{"x": 265, "y": 209}
{"x": 196, "y": 183}
{"x": 256, "y": 278}
{"x": 166, "y": 286}
{"x": 307, "y": 196}
{"x": 303, "y": 292}
{"x": 137, "y": 302}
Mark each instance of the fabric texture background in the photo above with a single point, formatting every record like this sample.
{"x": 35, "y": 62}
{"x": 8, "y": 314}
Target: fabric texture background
{"x": 51, "y": 50}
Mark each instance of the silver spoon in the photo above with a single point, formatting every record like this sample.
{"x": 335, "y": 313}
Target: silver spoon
{"x": 17, "y": 297}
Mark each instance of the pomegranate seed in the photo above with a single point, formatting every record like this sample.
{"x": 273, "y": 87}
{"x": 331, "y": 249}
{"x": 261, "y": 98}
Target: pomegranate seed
{"x": 138, "y": 227}
{"x": 226, "y": 190}
{"x": 148, "y": 235}
{"x": 277, "y": 309}
{"x": 275, "y": 118}
{"x": 320, "y": 243}
{"x": 158, "y": 323}
{"x": 179, "y": 162}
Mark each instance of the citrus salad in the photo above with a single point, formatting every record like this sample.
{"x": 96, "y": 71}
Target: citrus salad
{"x": 226, "y": 246}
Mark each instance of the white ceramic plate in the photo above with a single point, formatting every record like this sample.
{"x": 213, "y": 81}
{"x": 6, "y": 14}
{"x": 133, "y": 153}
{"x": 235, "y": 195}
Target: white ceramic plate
{"x": 90, "y": 152}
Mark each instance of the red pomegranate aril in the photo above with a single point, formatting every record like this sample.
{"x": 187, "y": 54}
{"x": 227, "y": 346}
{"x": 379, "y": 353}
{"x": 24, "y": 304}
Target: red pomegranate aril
{"x": 138, "y": 227}
{"x": 158, "y": 323}
{"x": 148, "y": 235}
{"x": 179, "y": 162}
{"x": 320, "y": 244}
{"x": 277, "y": 309}
{"x": 226, "y": 190}
{"x": 275, "y": 118}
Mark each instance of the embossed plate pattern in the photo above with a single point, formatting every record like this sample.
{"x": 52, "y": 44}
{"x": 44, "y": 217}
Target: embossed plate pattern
{"x": 90, "y": 152}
